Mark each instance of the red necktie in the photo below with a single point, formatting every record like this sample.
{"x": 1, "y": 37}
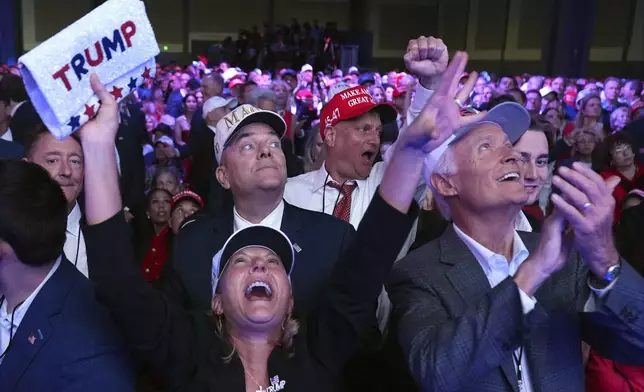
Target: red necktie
{"x": 342, "y": 209}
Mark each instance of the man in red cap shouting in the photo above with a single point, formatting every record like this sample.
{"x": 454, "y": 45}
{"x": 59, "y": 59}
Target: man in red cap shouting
{"x": 350, "y": 125}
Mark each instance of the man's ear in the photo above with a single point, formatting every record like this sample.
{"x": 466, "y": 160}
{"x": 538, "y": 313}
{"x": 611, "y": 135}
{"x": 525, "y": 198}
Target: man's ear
{"x": 222, "y": 176}
{"x": 329, "y": 136}
{"x": 216, "y": 305}
{"x": 443, "y": 185}
{"x": 6, "y": 251}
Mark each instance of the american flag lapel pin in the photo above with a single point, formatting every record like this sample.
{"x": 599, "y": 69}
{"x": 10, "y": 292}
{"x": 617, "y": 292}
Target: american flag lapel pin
{"x": 297, "y": 248}
{"x": 32, "y": 338}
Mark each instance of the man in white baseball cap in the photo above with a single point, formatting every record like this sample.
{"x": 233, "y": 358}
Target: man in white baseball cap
{"x": 252, "y": 167}
{"x": 215, "y": 108}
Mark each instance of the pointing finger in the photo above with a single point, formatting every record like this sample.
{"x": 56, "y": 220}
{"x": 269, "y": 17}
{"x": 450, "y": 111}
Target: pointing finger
{"x": 445, "y": 87}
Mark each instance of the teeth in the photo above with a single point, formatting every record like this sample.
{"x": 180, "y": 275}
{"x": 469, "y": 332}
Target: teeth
{"x": 269, "y": 292}
{"x": 509, "y": 176}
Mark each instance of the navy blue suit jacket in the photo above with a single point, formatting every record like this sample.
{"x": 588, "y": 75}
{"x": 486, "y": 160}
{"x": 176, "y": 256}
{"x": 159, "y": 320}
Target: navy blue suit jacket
{"x": 66, "y": 342}
{"x": 11, "y": 150}
{"x": 320, "y": 241}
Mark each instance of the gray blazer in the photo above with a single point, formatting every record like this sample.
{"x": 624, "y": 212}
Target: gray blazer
{"x": 458, "y": 334}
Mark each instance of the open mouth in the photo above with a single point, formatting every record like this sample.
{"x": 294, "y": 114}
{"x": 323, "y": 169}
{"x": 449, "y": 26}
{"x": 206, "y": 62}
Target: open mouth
{"x": 369, "y": 155}
{"x": 259, "y": 290}
{"x": 512, "y": 176}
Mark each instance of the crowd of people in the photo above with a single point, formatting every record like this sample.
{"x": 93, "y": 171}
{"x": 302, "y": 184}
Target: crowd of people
{"x": 295, "y": 45}
{"x": 238, "y": 229}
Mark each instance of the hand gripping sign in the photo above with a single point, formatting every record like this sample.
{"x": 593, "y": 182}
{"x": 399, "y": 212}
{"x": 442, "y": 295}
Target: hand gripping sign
{"x": 115, "y": 40}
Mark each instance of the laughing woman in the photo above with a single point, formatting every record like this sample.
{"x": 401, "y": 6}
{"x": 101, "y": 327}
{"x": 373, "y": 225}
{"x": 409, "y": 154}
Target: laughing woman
{"x": 252, "y": 341}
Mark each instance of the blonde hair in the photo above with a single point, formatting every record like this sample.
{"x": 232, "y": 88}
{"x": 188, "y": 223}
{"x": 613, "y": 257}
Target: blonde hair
{"x": 613, "y": 115}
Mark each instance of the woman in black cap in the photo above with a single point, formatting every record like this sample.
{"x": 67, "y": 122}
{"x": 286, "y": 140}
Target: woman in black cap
{"x": 251, "y": 341}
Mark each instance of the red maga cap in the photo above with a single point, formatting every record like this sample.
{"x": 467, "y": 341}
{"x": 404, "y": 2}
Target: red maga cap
{"x": 351, "y": 102}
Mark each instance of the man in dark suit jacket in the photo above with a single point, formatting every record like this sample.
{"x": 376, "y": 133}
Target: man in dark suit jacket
{"x": 54, "y": 335}
{"x": 484, "y": 308}
{"x": 11, "y": 150}
{"x": 14, "y": 99}
{"x": 257, "y": 180}
{"x": 129, "y": 139}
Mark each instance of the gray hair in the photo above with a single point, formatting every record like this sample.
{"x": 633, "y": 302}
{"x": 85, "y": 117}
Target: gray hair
{"x": 262, "y": 93}
{"x": 446, "y": 166}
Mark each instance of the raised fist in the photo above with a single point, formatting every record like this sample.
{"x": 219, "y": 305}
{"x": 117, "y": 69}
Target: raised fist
{"x": 426, "y": 56}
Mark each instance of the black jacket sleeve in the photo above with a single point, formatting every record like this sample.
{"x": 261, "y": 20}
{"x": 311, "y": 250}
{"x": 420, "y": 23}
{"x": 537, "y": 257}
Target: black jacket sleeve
{"x": 159, "y": 332}
{"x": 350, "y": 304}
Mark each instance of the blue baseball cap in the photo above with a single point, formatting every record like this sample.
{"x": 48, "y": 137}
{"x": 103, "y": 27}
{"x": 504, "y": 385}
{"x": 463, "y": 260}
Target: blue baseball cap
{"x": 511, "y": 117}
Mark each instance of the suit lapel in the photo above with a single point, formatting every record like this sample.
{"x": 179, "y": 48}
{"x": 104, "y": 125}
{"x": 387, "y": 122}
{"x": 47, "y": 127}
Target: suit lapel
{"x": 291, "y": 223}
{"x": 222, "y": 230}
{"x": 469, "y": 280}
{"x": 36, "y": 327}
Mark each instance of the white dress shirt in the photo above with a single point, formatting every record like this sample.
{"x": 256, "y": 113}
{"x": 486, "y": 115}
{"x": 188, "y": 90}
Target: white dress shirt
{"x": 272, "y": 220}
{"x": 497, "y": 268}
{"x": 310, "y": 192}
{"x": 8, "y": 136}
{"x": 74, "y": 249}
{"x": 6, "y": 331}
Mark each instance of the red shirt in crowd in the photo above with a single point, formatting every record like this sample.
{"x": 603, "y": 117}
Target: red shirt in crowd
{"x": 624, "y": 186}
{"x": 156, "y": 256}
{"x": 604, "y": 375}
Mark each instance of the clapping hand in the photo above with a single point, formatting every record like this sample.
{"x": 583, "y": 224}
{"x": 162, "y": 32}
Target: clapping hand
{"x": 587, "y": 204}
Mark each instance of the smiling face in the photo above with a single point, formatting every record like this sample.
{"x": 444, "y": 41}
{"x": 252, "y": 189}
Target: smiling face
{"x": 254, "y": 292}
{"x": 253, "y": 161}
{"x": 63, "y": 160}
{"x": 488, "y": 175}
{"x": 558, "y": 85}
{"x": 352, "y": 145}
{"x": 533, "y": 147}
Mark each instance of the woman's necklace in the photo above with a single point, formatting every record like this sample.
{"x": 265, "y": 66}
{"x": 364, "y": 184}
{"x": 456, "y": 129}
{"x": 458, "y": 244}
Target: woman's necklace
{"x": 250, "y": 375}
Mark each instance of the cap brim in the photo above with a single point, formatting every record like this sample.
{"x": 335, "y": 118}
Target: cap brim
{"x": 512, "y": 118}
{"x": 254, "y": 236}
{"x": 184, "y": 198}
{"x": 267, "y": 117}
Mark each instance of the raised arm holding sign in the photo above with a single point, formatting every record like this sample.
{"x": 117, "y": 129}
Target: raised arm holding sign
{"x": 115, "y": 41}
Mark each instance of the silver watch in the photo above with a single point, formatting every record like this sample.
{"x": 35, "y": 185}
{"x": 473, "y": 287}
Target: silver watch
{"x": 613, "y": 272}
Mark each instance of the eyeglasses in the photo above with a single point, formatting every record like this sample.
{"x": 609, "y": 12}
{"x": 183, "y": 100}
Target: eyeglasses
{"x": 623, "y": 150}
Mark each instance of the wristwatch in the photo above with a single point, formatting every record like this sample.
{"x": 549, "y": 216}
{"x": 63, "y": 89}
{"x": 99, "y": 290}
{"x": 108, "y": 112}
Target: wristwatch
{"x": 613, "y": 272}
